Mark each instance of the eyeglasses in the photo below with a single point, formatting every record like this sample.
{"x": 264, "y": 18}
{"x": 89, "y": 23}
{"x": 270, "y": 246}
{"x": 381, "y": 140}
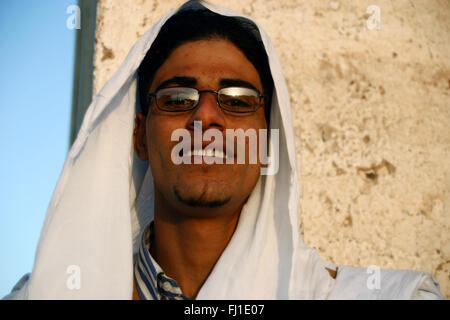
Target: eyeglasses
{"x": 232, "y": 99}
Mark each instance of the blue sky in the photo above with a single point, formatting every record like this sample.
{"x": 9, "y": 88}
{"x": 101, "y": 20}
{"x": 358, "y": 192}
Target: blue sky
{"x": 36, "y": 63}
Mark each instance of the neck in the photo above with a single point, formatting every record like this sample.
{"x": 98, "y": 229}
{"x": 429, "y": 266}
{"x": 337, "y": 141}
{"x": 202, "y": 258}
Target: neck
{"x": 187, "y": 247}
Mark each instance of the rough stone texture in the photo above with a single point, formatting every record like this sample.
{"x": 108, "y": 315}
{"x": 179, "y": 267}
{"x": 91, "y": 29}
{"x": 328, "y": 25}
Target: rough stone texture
{"x": 371, "y": 110}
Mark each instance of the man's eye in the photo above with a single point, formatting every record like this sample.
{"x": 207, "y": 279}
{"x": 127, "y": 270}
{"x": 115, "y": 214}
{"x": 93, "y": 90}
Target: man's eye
{"x": 175, "y": 101}
{"x": 178, "y": 101}
{"x": 236, "y": 103}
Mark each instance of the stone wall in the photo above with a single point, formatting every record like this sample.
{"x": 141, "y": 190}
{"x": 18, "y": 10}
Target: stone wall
{"x": 371, "y": 110}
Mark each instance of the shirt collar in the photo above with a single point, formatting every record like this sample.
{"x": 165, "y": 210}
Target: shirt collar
{"x": 151, "y": 281}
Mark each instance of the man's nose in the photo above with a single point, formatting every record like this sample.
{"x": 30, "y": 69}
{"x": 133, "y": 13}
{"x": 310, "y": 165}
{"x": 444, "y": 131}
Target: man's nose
{"x": 208, "y": 112}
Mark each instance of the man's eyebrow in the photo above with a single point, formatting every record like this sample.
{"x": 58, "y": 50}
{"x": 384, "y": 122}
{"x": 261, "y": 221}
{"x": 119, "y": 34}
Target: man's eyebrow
{"x": 180, "y": 81}
{"x": 236, "y": 83}
{"x": 190, "y": 82}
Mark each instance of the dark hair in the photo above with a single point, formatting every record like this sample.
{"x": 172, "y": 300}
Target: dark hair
{"x": 200, "y": 24}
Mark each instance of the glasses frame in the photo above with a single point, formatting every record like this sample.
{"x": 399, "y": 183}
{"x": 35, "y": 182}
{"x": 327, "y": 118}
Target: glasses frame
{"x": 260, "y": 96}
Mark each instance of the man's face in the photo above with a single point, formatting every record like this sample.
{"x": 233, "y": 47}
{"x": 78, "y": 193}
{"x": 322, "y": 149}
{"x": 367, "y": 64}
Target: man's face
{"x": 193, "y": 189}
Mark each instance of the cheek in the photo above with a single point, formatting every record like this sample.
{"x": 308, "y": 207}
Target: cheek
{"x": 159, "y": 134}
{"x": 258, "y": 120}
{"x": 157, "y": 139}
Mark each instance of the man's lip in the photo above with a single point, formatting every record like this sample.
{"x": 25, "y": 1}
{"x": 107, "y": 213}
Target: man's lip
{"x": 210, "y": 154}
{"x": 224, "y": 149}
{"x": 207, "y": 143}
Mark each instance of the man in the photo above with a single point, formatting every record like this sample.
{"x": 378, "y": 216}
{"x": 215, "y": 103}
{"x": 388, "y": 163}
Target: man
{"x": 197, "y": 206}
{"x": 208, "y": 227}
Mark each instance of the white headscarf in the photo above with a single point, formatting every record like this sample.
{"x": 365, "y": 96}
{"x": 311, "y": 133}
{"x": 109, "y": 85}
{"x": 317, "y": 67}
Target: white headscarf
{"x": 104, "y": 199}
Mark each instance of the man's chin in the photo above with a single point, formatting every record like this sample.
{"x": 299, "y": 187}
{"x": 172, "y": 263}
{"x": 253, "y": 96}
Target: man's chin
{"x": 201, "y": 199}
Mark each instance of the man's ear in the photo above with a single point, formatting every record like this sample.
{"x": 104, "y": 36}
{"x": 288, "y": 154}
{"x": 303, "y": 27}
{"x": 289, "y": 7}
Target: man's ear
{"x": 140, "y": 137}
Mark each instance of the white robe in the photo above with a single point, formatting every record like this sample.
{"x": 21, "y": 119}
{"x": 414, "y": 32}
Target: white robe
{"x": 104, "y": 198}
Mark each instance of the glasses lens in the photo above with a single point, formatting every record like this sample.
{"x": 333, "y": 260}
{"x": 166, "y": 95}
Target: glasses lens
{"x": 177, "y": 99}
{"x": 236, "y": 99}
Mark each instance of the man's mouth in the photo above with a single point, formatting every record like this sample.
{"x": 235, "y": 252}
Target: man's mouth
{"x": 207, "y": 153}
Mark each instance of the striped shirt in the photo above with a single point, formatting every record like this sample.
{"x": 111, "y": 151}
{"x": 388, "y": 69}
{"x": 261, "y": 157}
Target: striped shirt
{"x": 151, "y": 281}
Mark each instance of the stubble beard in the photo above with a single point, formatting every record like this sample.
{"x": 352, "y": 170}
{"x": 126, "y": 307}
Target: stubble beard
{"x": 201, "y": 201}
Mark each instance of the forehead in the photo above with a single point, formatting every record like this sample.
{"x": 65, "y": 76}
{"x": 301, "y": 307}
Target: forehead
{"x": 208, "y": 61}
